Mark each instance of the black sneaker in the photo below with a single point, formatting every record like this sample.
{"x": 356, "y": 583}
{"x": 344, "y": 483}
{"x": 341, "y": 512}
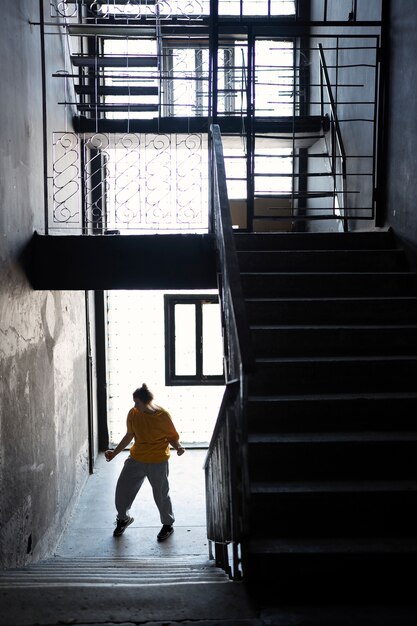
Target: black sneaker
{"x": 121, "y": 525}
{"x": 165, "y": 532}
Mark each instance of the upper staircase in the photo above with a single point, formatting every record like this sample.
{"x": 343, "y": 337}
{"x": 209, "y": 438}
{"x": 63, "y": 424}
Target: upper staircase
{"x": 332, "y": 437}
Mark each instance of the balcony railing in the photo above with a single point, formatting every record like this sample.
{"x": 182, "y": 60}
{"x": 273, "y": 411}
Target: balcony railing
{"x": 133, "y": 183}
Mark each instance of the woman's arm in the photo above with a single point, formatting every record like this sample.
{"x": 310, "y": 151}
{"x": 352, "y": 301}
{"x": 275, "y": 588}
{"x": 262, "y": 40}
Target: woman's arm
{"x": 110, "y": 454}
{"x": 177, "y": 446}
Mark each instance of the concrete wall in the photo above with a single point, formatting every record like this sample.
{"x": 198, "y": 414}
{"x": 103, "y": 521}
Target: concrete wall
{"x": 43, "y": 399}
{"x": 401, "y": 153}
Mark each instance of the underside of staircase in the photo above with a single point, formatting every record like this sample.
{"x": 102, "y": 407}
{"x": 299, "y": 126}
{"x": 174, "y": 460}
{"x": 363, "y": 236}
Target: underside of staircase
{"x": 332, "y": 441}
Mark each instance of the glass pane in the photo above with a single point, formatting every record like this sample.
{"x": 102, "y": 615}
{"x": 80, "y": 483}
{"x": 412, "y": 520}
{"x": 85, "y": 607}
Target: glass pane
{"x": 212, "y": 340}
{"x": 185, "y": 357}
{"x": 274, "y": 78}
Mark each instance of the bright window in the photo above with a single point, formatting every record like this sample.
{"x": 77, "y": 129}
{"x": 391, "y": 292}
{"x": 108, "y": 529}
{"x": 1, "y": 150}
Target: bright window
{"x": 193, "y": 346}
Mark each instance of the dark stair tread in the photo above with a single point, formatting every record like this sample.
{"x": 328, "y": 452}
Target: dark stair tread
{"x": 111, "y": 30}
{"x": 118, "y": 107}
{"x": 330, "y": 284}
{"x": 378, "y": 260}
{"x": 324, "y": 252}
{"x": 333, "y": 438}
{"x": 337, "y": 359}
{"x": 326, "y": 274}
{"x": 354, "y": 545}
{"x": 320, "y": 397}
{"x": 330, "y": 326}
{"x": 324, "y": 310}
{"x": 114, "y": 61}
{"x": 332, "y": 486}
{"x": 314, "y": 241}
{"x": 117, "y": 90}
{"x": 260, "y": 299}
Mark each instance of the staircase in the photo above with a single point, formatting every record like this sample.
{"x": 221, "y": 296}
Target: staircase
{"x": 110, "y": 571}
{"x": 332, "y": 437}
{"x": 120, "y": 589}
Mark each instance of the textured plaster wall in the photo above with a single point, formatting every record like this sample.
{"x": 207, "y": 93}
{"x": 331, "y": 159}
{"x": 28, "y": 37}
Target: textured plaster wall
{"x": 401, "y": 177}
{"x": 43, "y": 399}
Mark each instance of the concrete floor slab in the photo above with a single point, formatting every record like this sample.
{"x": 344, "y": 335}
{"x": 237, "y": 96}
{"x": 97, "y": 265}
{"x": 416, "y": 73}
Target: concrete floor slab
{"x": 135, "y": 605}
{"x": 90, "y": 530}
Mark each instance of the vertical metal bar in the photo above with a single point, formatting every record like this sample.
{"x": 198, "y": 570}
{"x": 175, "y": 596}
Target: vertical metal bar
{"x": 335, "y": 191}
{"x": 44, "y": 117}
{"x": 294, "y": 73}
{"x": 89, "y": 377}
{"x": 377, "y": 80}
{"x": 212, "y": 101}
{"x": 304, "y": 62}
{"x": 169, "y": 327}
{"x": 101, "y": 368}
{"x": 383, "y": 96}
{"x": 199, "y": 338}
{"x": 213, "y": 59}
{"x": 83, "y": 186}
{"x": 199, "y": 103}
{"x": 250, "y": 132}
{"x": 325, "y": 11}
{"x": 321, "y": 91}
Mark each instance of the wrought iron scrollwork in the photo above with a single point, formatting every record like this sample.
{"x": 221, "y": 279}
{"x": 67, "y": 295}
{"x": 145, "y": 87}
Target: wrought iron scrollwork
{"x": 130, "y": 9}
{"x": 131, "y": 181}
{"x": 66, "y": 178}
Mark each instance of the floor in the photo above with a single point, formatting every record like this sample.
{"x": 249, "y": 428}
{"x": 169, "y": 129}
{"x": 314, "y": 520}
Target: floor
{"x": 96, "y": 579}
{"x": 90, "y": 531}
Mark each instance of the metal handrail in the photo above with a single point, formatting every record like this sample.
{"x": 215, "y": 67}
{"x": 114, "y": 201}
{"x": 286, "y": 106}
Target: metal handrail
{"x": 324, "y": 73}
{"x": 226, "y": 461}
{"x": 229, "y": 266}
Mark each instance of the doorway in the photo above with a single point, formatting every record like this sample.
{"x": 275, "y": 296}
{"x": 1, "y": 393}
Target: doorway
{"x": 140, "y": 340}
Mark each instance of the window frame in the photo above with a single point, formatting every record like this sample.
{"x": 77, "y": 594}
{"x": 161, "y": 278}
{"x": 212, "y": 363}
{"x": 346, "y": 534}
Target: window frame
{"x": 197, "y": 379}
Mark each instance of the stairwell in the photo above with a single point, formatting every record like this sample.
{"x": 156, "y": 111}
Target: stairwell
{"x": 110, "y": 590}
{"x": 332, "y": 437}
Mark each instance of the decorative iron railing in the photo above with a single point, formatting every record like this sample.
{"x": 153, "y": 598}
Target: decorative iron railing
{"x": 168, "y": 9}
{"x": 226, "y": 462}
{"x": 131, "y": 183}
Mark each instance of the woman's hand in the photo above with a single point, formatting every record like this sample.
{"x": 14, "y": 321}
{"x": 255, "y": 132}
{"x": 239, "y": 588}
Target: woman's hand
{"x": 180, "y": 451}
{"x": 109, "y": 454}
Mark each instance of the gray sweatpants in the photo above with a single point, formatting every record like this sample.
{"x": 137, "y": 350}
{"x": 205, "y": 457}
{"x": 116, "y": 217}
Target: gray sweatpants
{"x": 131, "y": 480}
